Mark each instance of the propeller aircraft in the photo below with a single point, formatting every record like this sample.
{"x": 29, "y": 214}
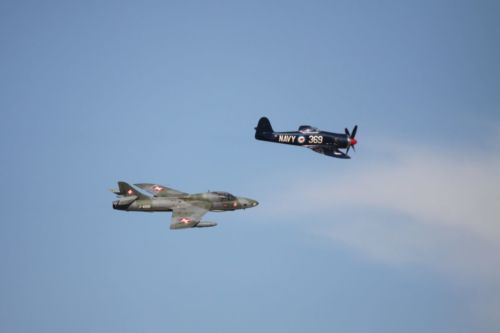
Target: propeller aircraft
{"x": 322, "y": 142}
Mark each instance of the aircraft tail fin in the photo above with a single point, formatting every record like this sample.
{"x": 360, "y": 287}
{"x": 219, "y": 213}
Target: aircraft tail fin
{"x": 263, "y": 127}
{"x": 127, "y": 191}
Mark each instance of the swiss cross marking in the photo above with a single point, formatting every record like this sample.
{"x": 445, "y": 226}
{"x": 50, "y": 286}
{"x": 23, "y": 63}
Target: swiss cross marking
{"x": 157, "y": 188}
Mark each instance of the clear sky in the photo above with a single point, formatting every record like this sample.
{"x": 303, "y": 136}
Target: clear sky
{"x": 404, "y": 237}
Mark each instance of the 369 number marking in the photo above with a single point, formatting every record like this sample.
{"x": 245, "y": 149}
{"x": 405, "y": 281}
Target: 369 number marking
{"x": 317, "y": 139}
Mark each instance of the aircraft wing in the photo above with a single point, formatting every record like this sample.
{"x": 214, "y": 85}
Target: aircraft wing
{"x": 160, "y": 190}
{"x": 189, "y": 214}
{"x": 330, "y": 151}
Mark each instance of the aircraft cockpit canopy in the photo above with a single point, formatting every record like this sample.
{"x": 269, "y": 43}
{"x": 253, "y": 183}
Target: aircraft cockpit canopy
{"x": 308, "y": 129}
{"x": 226, "y": 196}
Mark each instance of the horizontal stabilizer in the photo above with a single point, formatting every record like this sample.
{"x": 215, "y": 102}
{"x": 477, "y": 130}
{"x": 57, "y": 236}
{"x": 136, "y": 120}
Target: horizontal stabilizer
{"x": 115, "y": 191}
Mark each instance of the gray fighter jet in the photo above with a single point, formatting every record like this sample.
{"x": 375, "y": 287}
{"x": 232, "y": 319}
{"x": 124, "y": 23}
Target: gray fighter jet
{"x": 187, "y": 209}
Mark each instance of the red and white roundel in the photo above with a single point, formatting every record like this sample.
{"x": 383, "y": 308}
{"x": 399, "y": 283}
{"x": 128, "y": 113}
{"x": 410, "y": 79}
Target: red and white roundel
{"x": 157, "y": 188}
{"x": 129, "y": 192}
{"x": 301, "y": 139}
{"x": 185, "y": 220}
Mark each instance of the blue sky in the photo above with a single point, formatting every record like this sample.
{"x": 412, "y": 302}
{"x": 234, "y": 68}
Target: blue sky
{"x": 403, "y": 237}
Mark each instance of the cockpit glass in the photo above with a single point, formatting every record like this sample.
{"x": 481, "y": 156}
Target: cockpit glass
{"x": 307, "y": 129}
{"x": 226, "y": 196}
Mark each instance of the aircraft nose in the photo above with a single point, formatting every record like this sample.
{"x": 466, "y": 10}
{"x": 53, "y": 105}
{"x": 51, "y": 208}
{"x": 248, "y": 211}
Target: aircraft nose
{"x": 248, "y": 203}
{"x": 353, "y": 141}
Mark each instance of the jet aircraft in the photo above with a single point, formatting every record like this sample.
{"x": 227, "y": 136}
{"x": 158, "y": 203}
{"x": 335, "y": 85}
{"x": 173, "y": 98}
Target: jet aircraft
{"x": 187, "y": 209}
{"x": 322, "y": 142}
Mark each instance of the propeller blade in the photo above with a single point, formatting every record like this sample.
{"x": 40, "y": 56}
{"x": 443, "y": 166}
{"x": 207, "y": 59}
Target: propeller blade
{"x": 350, "y": 137}
{"x": 354, "y": 131}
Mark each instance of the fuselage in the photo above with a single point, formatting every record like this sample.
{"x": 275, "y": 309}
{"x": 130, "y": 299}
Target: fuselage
{"x": 213, "y": 201}
{"x": 307, "y": 138}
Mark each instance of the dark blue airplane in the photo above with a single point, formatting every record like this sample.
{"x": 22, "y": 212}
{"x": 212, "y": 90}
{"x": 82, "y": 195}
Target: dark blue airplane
{"x": 310, "y": 137}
